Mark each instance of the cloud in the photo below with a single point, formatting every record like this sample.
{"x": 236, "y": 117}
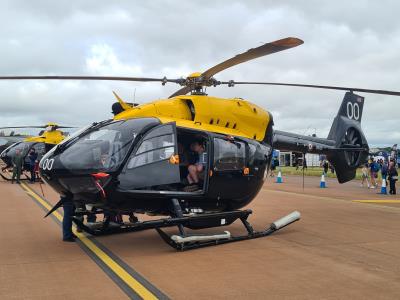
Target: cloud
{"x": 103, "y": 61}
{"x": 346, "y": 43}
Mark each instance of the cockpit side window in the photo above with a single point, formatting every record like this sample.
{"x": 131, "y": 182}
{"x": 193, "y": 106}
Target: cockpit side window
{"x": 152, "y": 166}
{"x": 23, "y": 147}
{"x": 40, "y": 149}
{"x": 158, "y": 145}
{"x": 229, "y": 155}
{"x": 258, "y": 154}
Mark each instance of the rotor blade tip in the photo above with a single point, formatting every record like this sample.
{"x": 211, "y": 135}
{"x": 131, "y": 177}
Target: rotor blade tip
{"x": 294, "y": 41}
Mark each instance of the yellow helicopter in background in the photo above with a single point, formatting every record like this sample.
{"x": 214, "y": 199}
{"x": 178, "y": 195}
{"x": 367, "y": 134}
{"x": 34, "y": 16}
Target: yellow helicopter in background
{"x": 50, "y": 136}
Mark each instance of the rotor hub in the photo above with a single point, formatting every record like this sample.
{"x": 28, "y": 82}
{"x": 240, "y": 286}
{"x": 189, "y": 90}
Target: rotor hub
{"x": 196, "y": 81}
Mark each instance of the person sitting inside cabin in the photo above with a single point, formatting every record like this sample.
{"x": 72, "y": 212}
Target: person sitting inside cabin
{"x": 196, "y": 170}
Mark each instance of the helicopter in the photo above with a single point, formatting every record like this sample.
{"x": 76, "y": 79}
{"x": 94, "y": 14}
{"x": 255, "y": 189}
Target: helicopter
{"x": 47, "y": 138}
{"x": 12, "y": 138}
{"x": 138, "y": 161}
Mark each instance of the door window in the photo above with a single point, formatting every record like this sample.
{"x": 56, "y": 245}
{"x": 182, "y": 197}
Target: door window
{"x": 154, "y": 149}
{"x": 150, "y": 157}
{"x": 156, "y": 142}
{"x": 149, "y": 167}
{"x": 40, "y": 149}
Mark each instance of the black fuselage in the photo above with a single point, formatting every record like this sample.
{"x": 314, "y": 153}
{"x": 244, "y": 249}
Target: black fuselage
{"x": 126, "y": 166}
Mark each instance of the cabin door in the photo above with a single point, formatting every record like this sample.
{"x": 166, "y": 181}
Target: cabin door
{"x": 154, "y": 163}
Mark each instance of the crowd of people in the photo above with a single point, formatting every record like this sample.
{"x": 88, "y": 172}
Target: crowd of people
{"x": 387, "y": 170}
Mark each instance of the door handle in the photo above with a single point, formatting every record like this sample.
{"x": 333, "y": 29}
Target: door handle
{"x": 174, "y": 159}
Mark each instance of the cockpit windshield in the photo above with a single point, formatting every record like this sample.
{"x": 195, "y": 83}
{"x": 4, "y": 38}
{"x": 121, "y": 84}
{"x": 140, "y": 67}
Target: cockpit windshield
{"x": 103, "y": 148}
{"x": 23, "y": 147}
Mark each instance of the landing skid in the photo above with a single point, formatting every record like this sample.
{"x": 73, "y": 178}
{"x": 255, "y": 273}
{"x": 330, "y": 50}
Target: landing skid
{"x": 185, "y": 241}
{"x": 6, "y": 174}
{"x": 188, "y": 242}
{"x": 192, "y": 222}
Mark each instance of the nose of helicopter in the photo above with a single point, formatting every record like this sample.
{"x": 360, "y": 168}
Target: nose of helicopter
{"x": 4, "y": 157}
{"x": 50, "y": 166}
{"x": 87, "y": 186}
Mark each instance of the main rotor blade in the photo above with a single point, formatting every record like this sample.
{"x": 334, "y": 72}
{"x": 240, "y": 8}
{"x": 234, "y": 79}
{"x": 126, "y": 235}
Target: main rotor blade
{"x": 328, "y": 87}
{"x": 111, "y": 78}
{"x": 42, "y": 127}
{"x": 13, "y": 127}
{"x": 253, "y": 53}
{"x": 266, "y": 49}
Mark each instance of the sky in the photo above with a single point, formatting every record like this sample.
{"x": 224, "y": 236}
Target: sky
{"x": 346, "y": 43}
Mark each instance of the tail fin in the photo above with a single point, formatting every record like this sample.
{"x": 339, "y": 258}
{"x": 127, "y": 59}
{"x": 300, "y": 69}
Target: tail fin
{"x": 347, "y": 133}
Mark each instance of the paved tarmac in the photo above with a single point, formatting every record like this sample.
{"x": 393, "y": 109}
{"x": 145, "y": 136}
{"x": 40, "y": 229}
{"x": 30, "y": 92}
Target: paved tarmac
{"x": 339, "y": 250}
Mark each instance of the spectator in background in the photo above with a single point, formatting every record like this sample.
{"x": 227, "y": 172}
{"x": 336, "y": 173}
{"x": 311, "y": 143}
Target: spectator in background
{"x": 274, "y": 164}
{"x": 32, "y": 156}
{"x": 332, "y": 168}
{"x": 298, "y": 162}
{"x": 393, "y": 154}
{"x": 365, "y": 176}
{"x": 384, "y": 170}
{"x": 393, "y": 176}
{"x": 37, "y": 175}
{"x": 304, "y": 163}
{"x": 325, "y": 165}
{"x": 374, "y": 169}
{"x": 17, "y": 163}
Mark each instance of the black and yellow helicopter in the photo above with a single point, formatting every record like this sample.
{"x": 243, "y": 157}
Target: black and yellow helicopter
{"x": 49, "y": 136}
{"x": 138, "y": 162}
